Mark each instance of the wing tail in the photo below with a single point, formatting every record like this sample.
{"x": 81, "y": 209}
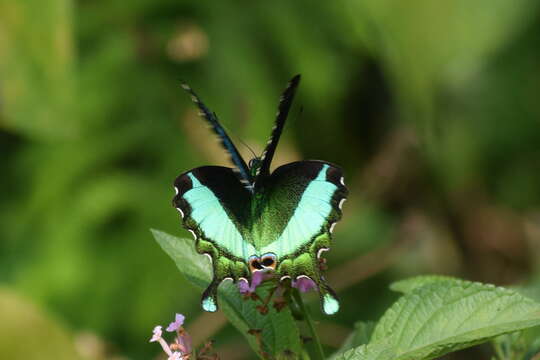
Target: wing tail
{"x": 285, "y": 103}
{"x": 241, "y": 168}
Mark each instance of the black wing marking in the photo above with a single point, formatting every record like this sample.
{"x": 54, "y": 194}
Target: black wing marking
{"x": 241, "y": 169}
{"x": 285, "y": 103}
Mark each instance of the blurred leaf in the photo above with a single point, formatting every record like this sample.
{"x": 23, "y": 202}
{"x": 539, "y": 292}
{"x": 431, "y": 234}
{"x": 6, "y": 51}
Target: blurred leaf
{"x": 280, "y": 334}
{"x": 27, "y": 333}
{"x": 37, "y": 72}
{"x": 425, "y": 45}
{"x": 513, "y": 346}
{"x": 446, "y": 316}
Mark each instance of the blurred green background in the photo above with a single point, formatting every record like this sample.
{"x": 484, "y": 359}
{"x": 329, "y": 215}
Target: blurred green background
{"x": 431, "y": 108}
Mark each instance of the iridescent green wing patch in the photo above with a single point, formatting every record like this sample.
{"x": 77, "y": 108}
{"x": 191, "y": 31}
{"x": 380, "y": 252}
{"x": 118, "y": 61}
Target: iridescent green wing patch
{"x": 301, "y": 201}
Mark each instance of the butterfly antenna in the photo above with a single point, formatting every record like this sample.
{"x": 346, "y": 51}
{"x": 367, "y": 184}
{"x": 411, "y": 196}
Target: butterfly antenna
{"x": 249, "y": 147}
{"x": 241, "y": 141}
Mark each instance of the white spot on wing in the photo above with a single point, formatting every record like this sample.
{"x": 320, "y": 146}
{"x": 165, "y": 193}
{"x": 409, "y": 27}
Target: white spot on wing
{"x": 181, "y": 212}
{"x": 321, "y": 250}
{"x": 341, "y": 181}
{"x": 341, "y": 203}
{"x": 332, "y": 227}
{"x": 176, "y": 190}
{"x": 209, "y": 256}
{"x": 284, "y": 277}
{"x": 227, "y": 279}
{"x": 303, "y": 276}
{"x": 194, "y": 235}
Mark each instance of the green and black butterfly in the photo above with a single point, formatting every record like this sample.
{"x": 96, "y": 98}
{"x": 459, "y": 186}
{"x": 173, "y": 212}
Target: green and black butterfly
{"x": 248, "y": 219}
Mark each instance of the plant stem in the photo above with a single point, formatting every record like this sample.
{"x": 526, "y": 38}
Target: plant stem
{"x": 499, "y": 351}
{"x": 298, "y": 298}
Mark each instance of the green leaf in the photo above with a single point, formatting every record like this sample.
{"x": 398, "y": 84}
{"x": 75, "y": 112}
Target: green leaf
{"x": 408, "y": 285}
{"x": 280, "y": 334}
{"x": 375, "y": 351}
{"x": 449, "y": 315}
{"x": 360, "y": 336}
{"x": 445, "y": 316}
{"x": 524, "y": 344}
{"x": 195, "y": 267}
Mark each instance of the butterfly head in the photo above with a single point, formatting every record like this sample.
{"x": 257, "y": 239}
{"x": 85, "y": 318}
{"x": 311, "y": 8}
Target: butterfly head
{"x": 254, "y": 166}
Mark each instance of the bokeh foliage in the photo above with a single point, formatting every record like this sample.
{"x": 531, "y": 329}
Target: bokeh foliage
{"x": 431, "y": 107}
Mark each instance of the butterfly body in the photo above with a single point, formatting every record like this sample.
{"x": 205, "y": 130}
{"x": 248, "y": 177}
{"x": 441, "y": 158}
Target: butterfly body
{"x": 247, "y": 219}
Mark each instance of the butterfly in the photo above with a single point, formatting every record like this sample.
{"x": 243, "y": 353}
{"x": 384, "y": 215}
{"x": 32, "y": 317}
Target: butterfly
{"x": 248, "y": 219}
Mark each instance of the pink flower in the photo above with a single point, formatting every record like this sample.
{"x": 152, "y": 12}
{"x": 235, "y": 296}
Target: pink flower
{"x": 257, "y": 278}
{"x": 157, "y": 334}
{"x": 304, "y": 284}
{"x": 157, "y": 337}
{"x": 183, "y": 341}
{"x": 243, "y": 286}
{"x": 177, "y": 324}
{"x": 175, "y": 356}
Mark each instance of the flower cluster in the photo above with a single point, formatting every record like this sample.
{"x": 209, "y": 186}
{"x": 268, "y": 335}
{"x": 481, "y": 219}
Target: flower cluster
{"x": 180, "y": 349}
{"x": 302, "y": 283}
